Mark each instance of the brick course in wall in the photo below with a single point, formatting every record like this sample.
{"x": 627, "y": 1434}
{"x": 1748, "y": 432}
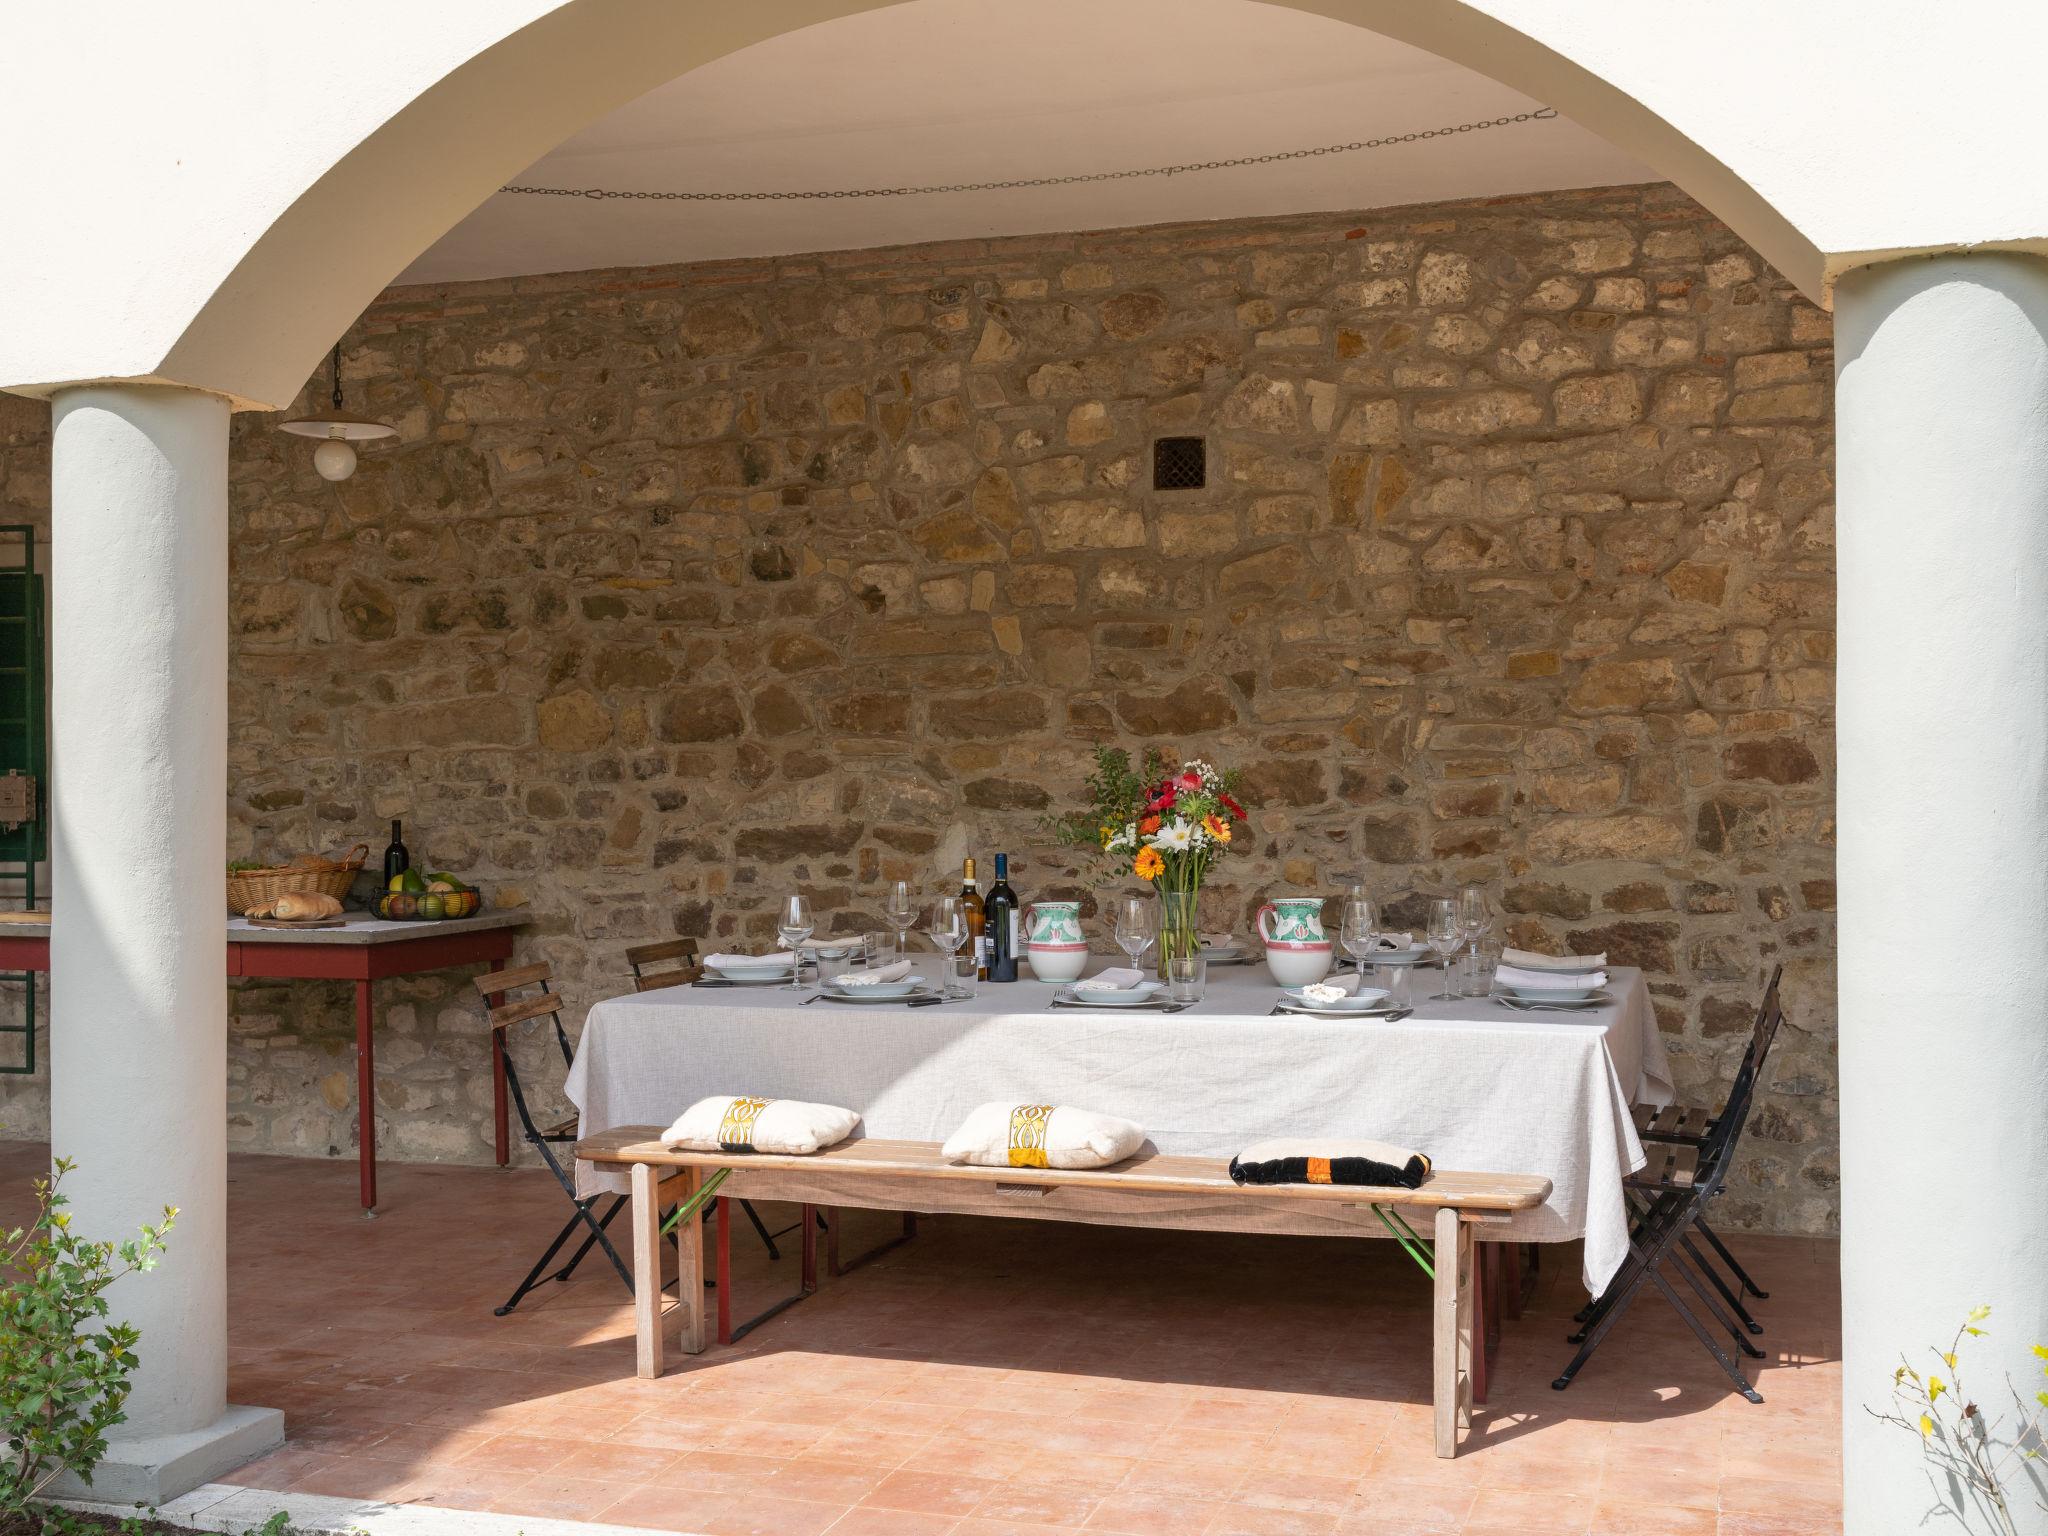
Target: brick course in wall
{"x": 682, "y": 586}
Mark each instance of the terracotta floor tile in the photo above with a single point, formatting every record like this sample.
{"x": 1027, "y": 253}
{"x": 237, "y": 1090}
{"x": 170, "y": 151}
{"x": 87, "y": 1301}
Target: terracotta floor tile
{"x": 763, "y": 1515}
{"x": 1263, "y": 1520}
{"x": 930, "y": 1493}
{"x": 1036, "y": 1504}
{"x": 1151, "y": 1514}
{"x": 864, "y": 1521}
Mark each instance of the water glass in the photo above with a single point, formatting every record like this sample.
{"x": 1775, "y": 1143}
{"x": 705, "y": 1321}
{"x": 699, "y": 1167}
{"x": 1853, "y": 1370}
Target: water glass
{"x": 1187, "y": 978}
{"x": 1134, "y": 925}
{"x": 1359, "y": 933}
{"x": 949, "y": 931}
{"x": 1475, "y": 973}
{"x": 1473, "y": 916}
{"x": 795, "y": 922}
{"x": 1446, "y": 935}
{"x": 963, "y": 975}
{"x": 901, "y": 910}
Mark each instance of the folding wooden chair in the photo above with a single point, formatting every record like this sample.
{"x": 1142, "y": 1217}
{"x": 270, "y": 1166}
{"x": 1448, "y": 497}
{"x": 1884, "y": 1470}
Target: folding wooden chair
{"x": 507, "y": 1015}
{"x": 1673, "y": 1190}
{"x": 1686, "y": 1125}
{"x": 674, "y": 963}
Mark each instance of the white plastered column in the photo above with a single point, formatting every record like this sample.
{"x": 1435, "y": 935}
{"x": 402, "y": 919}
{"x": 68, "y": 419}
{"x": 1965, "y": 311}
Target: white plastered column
{"x": 1942, "y": 787}
{"x": 138, "y": 990}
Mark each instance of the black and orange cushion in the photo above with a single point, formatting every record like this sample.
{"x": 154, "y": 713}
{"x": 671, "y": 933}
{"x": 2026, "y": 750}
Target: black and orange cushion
{"x": 1329, "y": 1160}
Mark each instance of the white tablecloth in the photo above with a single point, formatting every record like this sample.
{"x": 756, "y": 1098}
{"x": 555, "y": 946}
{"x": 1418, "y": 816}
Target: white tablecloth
{"x": 1472, "y": 1084}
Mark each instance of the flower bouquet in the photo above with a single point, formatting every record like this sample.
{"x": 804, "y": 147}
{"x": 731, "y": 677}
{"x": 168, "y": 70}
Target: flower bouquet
{"x": 1163, "y": 825}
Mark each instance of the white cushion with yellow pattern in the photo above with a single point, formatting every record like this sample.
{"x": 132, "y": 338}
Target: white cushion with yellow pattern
{"x": 1042, "y": 1136}
{"x": 725, "y": 1123}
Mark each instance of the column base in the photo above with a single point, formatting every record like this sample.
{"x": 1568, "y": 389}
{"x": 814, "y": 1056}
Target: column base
{"x": 154, "y": 1469}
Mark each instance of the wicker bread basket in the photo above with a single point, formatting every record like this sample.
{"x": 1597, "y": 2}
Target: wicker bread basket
{"x": 305, "y": 875}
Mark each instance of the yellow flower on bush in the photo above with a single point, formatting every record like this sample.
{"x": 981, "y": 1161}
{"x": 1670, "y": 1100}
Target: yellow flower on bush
{"x": 1149, "y": 866}
{"x": 1217, "y": 828}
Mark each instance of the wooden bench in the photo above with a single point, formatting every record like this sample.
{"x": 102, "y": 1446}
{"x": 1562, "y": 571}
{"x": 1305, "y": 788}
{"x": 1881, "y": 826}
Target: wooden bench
{"x": 1150, "y": 1190}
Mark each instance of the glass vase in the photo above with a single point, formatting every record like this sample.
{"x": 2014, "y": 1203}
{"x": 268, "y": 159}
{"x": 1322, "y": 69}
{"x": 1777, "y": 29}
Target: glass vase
{"x": 1180, "y": 932}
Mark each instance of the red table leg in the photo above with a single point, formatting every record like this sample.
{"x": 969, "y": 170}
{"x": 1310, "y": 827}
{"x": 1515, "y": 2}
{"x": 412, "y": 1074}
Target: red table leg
{"x": 498, "y": 1094}
{"x": 366, "y": 1100}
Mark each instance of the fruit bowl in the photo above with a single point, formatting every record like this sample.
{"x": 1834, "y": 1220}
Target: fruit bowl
{"x": 428, "y": 906}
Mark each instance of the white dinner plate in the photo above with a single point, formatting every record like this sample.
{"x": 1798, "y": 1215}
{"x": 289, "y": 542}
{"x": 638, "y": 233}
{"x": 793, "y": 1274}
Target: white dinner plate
{"x": 1311, "y": 1010}
{"x": 1534, "y": 994}
{"x": 866, "y": 995}
{"x": 1121, "y": 997}
{"x": 1234, "y": 955}
{"x": 1401, "y": 957}
{"x": 869, "y": 996}
{"x": 1525, "y": 1002}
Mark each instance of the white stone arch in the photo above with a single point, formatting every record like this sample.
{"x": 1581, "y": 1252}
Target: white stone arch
{"x": 256, "y": 325}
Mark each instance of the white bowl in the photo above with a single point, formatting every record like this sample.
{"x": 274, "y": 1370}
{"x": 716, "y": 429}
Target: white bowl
{"x": 1113, "y": 997}
{"x": 1056, "y": 963}
{"x": 1364, "y": 998}
{"x": 1298, "y": 967}
{"x": 903, "y": 988}
{"x": 750, "y": 972}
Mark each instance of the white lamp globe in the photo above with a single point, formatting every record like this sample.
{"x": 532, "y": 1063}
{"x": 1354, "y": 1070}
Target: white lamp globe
{"x": 335, "y": 460}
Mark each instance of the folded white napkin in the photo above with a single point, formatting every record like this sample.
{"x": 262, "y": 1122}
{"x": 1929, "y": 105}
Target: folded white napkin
{"x": 1518, "y": 976}
{"x": 876, "y": 977}
{"x": 1529, "y": 960}
{"x": 1396, "y": 941}
{"x": 1218, "y": 940}
{"x": 719, "y": 962}
{"x": 1116, "y": 979}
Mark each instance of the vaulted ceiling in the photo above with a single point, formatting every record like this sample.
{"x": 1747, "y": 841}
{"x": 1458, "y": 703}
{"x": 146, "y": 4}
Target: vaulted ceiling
{"x": 942, "y": 91}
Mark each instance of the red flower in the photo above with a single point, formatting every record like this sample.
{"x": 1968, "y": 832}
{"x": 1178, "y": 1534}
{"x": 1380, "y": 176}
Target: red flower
{"x": 1231, "y": 806}
{"x": 1162, "y": 798}
{"x": 1189, "y": 781}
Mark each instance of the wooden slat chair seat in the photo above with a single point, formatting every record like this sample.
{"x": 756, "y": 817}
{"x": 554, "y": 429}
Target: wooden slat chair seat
{"x": 1150, "y": 1190}
{"x": 670, "y": 963}
{"x": 546, "y": 1003}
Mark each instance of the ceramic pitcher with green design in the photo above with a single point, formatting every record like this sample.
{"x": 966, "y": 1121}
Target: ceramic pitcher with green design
{"x": 1293, "y": 921}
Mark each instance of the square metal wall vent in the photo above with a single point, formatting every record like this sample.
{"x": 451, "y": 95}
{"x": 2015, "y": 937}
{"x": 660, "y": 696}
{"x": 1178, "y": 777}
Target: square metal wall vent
{"x": 1179, "y": 463}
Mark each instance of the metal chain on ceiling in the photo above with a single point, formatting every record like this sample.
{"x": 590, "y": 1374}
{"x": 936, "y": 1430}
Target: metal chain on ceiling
{"x": 606, "y": 194}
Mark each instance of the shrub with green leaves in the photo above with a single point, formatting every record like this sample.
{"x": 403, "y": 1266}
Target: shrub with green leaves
{"x": 64, "y": 1368}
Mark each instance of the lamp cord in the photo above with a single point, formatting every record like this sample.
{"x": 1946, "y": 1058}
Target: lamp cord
{"x": 602, "y": 194}
{"x": 336, "y": 364}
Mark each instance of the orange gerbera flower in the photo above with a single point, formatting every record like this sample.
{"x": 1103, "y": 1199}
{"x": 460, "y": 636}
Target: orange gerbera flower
{"x": 1217, "y": 828}
{"x": 1148, "y": 826}
{"x": 1149, "y": 866}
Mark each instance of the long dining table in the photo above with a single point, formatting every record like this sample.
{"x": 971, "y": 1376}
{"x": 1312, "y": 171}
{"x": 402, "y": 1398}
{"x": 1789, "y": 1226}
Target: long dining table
{"x": 1472, "y": 1083}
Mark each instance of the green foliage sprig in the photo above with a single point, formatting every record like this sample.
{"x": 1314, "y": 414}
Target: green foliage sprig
{"x": 64, "y": 1368}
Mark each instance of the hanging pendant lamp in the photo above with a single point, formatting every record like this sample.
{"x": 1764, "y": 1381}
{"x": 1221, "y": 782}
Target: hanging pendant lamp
{"x": 338, "y": 431}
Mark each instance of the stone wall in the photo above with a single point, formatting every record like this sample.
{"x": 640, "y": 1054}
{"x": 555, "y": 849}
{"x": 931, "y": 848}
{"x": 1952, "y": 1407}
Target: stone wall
{"x": 684, "y": 586}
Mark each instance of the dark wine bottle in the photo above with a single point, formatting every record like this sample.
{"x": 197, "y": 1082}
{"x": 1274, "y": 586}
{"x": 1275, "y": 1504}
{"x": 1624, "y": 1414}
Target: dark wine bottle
{"x": 396, "y": 860}
{"x": 1000, "y": 912}
{"x": 970, "y": 897}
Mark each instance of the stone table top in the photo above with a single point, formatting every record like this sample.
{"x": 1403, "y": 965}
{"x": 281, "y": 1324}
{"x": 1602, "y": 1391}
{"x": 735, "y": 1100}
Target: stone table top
{"x": 362, "y": 928}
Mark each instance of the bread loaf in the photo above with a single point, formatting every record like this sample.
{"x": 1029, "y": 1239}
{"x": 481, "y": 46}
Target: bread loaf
{"x": 298, "y": 906}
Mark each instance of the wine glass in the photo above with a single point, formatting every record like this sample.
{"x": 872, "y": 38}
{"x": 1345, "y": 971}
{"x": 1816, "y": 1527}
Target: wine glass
{"x": 1358, "y": 932}
{"x": 1473, "y": 915}
{"x": 901, "y": 910}
{"x": 949, "y": 931}
{"x": 1446, "y": 936}
{"x": 795, "y": 923}
{"x": 1134, "y": 925}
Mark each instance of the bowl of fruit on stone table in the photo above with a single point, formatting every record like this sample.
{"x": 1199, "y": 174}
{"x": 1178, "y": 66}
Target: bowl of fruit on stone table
{"x": 414, "y": 897}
